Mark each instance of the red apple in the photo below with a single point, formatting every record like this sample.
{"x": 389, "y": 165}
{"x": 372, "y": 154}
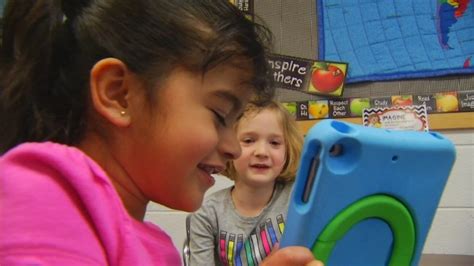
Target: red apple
{"x": 327, "y": 79}
{"x": 402, "y": 100}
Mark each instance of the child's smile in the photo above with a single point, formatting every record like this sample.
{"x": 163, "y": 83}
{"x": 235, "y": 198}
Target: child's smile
{"x": 196, "y": 147}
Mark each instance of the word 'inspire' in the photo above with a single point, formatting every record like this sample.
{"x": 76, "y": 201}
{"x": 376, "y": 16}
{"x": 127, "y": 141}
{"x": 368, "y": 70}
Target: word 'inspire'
{"x": 289, "y": 72}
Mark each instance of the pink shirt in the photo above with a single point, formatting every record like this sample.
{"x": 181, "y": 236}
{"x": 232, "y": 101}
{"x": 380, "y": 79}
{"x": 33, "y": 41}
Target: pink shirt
{"x": 58, "y": 207}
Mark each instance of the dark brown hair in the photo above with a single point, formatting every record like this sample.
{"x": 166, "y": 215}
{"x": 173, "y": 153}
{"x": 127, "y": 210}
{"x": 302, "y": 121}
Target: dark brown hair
{"x": 50, "y": 46}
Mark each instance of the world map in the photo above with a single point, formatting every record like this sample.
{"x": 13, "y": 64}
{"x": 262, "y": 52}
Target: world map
{"x": 447, "y": 14}
{"x": 387, "y": 40}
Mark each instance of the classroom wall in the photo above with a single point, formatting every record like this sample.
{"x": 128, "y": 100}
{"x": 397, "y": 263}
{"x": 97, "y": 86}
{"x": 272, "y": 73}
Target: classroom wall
{"x": 452, "y": 231}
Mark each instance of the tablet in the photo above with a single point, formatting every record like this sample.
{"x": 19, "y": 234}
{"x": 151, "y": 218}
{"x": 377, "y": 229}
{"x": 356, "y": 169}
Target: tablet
{"x": 367, "y": 196}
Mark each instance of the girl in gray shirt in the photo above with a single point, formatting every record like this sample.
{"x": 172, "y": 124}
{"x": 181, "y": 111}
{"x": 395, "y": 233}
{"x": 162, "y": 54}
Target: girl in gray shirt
{"x": 241, "y": 224}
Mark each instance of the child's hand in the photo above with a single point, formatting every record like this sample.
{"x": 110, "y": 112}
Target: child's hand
{"x": 291, "y": 256}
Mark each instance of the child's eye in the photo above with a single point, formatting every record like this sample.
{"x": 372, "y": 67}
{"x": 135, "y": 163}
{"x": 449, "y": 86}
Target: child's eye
{"x": 220, "y": 118}
{"x": 247, "y": 140}
{"x": 275, "y": 143}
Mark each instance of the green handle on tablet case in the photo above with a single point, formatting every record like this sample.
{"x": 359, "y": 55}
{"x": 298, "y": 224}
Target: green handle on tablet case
{"x": 384, "y": 207}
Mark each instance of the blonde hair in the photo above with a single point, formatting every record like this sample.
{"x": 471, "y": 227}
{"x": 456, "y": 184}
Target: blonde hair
{"x": 293, "y": 139}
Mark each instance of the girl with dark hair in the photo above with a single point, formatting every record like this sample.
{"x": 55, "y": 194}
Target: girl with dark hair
{"x": 106, "y": 105}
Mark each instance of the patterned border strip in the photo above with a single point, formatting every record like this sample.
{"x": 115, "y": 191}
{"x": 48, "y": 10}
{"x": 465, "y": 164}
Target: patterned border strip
{"x": 441, "y": 102}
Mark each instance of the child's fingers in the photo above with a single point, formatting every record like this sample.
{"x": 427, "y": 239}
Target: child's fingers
{"x": 315, "y": 263}
{"x": 298, "y": 256}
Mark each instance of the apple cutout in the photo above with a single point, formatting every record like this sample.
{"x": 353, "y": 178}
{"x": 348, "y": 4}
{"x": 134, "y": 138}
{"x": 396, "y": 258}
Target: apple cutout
{"x": 358, "y": 105}
{"x": 402, "y": 100}
{"x": 446, "y": 103}
{"x": 318, "y": 109}
{"x": 290, "y": 107}
{"x": 326, "y": 78}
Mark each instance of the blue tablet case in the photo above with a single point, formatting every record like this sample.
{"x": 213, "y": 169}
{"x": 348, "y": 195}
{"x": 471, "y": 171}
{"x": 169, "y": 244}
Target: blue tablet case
{"x": 367, "y": 196}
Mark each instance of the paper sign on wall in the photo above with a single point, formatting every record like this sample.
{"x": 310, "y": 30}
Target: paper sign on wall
{"x": 311, "y": 76}
{"x": 410, "y": 117}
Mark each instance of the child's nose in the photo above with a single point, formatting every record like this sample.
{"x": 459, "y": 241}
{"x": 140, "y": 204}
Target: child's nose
{"x": 261, "y": 149}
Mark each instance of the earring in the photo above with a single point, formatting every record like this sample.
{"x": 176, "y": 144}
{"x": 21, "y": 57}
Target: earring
{"x": 122, "y": 113}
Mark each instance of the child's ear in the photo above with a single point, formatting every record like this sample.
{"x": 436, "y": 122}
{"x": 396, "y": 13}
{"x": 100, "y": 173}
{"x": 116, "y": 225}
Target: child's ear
{"x": 110, "y": 91}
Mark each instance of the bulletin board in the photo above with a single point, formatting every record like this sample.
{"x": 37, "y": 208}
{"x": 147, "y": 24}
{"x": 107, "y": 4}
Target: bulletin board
{"x": 295, "y": 28}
